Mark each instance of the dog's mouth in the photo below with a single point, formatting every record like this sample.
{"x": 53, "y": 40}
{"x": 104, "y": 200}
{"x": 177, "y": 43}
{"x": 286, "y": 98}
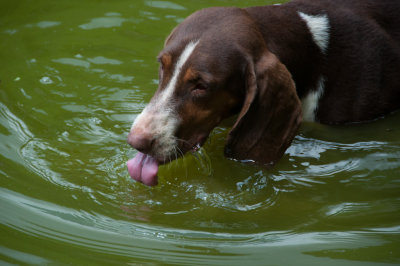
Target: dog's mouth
{"x": 195, "y": 148}
{"x": 144, "y": 167}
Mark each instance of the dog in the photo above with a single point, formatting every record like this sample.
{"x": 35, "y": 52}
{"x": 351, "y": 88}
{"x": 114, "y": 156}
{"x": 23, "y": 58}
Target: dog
{"x": 328, "y": 61}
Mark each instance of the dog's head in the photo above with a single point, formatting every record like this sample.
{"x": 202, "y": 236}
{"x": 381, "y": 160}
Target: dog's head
{"x": 216, "y": 64}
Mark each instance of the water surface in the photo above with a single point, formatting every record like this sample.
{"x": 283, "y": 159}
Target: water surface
{"x": 75, "y": 74}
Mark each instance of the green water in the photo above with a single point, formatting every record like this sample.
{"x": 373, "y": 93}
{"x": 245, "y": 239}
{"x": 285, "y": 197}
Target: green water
{"x": 75, "y": 74}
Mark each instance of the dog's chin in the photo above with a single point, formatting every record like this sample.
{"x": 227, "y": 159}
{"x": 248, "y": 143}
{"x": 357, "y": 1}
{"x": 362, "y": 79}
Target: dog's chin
{"x": 197, "y": 143}
{"x": 192, "y": 145}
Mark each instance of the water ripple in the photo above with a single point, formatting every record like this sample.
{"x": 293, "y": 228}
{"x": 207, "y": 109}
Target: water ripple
{"x": 139, "y": 241}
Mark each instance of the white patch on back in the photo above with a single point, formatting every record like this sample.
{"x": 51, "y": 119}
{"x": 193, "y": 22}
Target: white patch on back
{"x": 310, "y": 101}
{"x": 159, "y": 118}
{"x": 319, "y": 28}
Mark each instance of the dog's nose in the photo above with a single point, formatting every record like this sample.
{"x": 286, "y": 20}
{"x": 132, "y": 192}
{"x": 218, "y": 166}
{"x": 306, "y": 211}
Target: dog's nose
{"x": 141, "y": 141}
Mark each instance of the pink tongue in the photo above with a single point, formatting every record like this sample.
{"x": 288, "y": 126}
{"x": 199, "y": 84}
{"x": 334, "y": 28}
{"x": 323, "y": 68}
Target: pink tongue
{"x": 143, "y": 168}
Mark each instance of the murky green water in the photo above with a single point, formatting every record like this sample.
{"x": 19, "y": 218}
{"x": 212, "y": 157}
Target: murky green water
{"x": 74, "y": 74}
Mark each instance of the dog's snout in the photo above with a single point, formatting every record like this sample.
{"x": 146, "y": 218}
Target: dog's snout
{"x": 141, "y": 141}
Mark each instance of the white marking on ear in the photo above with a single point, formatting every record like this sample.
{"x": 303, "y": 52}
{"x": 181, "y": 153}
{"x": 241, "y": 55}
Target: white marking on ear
{"x": 319, "y": 28}
{"x": 159, "y": 118}
{"x": 310, "y": 101}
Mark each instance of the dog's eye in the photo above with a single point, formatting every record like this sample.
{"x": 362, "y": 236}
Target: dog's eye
{"x": 199, "y": 90}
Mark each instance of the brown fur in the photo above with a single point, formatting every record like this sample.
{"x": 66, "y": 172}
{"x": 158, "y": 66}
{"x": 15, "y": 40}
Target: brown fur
{"x": 259, "y": 62}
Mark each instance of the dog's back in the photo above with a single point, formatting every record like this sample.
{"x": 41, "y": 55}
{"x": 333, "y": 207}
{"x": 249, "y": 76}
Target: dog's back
{"x": 346, "y": 51}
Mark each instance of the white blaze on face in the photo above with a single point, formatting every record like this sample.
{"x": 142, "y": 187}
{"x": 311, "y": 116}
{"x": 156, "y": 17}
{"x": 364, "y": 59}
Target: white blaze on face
{"x": 159, "y": 118}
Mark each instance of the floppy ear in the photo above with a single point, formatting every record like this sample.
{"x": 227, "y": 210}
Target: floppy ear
{"x": 270, "y": 116}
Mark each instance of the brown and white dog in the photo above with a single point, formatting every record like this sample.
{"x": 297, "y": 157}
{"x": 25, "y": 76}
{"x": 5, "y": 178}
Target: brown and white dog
{"x": 330, "y": 61}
